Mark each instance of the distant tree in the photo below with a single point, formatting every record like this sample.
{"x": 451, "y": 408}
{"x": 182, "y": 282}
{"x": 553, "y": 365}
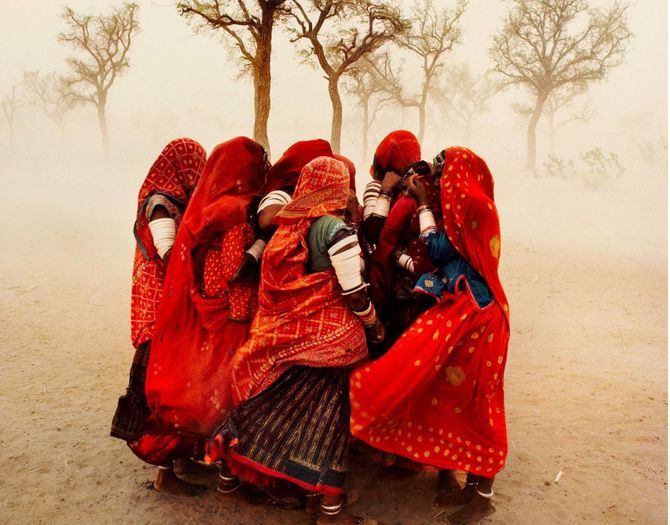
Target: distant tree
{"x": 433, "y": 33}
{"x": 50, "y": 94}
{"x": 561, "y": 109}
{"x": 248, "y": 24}
{"x": 339, "y": 34}
{"x": 550, "y": 45}
{"x": 11, "y": 102}
{"x": 465, "y": 96}
{"x": 102, "y": 43}
{"x": 368, "y": 89}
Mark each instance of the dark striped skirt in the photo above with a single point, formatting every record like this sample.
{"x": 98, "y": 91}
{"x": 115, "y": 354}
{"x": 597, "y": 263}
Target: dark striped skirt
{"x": 297, "y": 430}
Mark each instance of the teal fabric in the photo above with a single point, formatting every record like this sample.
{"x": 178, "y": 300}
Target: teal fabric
{"x": 320, "y": 238}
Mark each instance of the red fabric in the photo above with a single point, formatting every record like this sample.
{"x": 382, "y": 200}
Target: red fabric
{"x": 175, "y": 174}
{"x": 285, "y": 172}
{"x": 302, "y": 318}
{"x": 400, "y": 232}
{"x": 186, "y": 384}
{"x": 351, "y": 167}
{"x": 437, "y": 396}
{"x": 397, "y": 152}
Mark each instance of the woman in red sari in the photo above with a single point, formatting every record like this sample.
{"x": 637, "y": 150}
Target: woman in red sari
{"x": 162, "y": 200}
{"x": 437, "y": 396}
{"x": 290, "y": 379}
{"x": 204, "y": 317}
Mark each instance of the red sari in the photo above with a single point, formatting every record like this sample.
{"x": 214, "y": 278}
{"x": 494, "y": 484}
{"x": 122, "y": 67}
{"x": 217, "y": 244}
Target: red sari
{"x": 199, "y": 325}
{"x": 174, "y": 175}
{"x": 302, "y": 319}
{"x": 285, "y": 172}
{"x": 437, "y": 396}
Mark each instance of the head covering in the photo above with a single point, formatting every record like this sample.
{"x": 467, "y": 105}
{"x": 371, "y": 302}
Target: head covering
{"x": 285, "y": 172}
{"x": 470, "y": 215}
{"x": 194, "y": 337}
{"x": 302, "y": 318}
{"x": 397, "y": 152}
{"x": 174, "y": 175}
{"x": 351, "y": 167}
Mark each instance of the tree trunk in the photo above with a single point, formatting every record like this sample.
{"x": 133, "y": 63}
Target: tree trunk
{"x": 552, "y": 133}
{"x": 366, "y": 128}
{"x": 102, "y": 121}
{"x": 263, "y": 80}
{"x": 422, "y": 120}
{"x": 336, "y": 126}
{"x": 531, "y": 154}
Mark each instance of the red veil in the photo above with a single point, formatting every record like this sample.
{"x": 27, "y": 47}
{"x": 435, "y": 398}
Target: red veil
{"x": 285, "y": 172}
{"x": 187, "y": 376}
{"x": 396, "y": 152}
{"x": 302, "y": 318}
{"x": 437, "y": 396}
{"x": 174, "y": 174}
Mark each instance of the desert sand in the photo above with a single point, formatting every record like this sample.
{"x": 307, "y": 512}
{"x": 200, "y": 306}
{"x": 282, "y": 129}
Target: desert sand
{"x": 585, "y": 273}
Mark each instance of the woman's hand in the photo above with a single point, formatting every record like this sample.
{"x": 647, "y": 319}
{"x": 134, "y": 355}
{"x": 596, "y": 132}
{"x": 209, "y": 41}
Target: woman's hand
{"x": 377, "y": 332}
{"x": 417, "y": 190}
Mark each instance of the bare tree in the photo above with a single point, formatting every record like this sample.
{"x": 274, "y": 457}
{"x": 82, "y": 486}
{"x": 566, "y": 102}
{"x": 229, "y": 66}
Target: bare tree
{"x": 465, "y": 96}
{"x": 102, "y": 42}
{"x": 433, "y": 33}
{"x": 248, "y": 24}
{"x": 368, "y": 88}
{"x": 548, "y": 45}
{"x": 11, "y": 102}
{"x": 561, "y": 110}
{"x": 359, "y": 27}
{"x": 50, "y": 94}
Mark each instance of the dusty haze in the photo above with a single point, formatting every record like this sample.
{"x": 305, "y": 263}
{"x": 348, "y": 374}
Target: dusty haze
{"x": 584, "y": 268}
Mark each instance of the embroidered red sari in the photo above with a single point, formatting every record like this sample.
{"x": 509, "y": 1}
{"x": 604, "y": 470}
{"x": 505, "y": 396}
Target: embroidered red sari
{"x": 437, "y": 396}
{"x": 302, "y": 319}
{"x": 396, "y": 152}
{"x": 285, "y": 172}
{"x": 187, "y": 384}
{"x": 174, "y": 175}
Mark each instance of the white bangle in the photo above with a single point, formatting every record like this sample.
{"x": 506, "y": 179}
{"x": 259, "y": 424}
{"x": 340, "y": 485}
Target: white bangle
{"x": 163, "y": 232}
{"x": 382, "y": 206}
{"x": 426, "y": 221}
{"x": 406, "y": 262}
{"x": 256, "y": 249}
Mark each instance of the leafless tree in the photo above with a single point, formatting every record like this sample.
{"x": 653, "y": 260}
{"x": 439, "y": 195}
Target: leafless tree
{"x": 11, "y": 102}
{"x": 340, "y": 33}
{"x": 561, "y": 110}
{"x": 549, "y": 45}
{"x": 102, "y": 43}
{"x": 465, "y": 96}
{"x": 432, "y": 35}
{"x": 368, "y": 89}
{"x": 49, "y": 93}
{"x": 248, "y": 25}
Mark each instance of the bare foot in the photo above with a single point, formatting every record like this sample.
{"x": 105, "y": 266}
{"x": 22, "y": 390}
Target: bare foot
{"x": 194, "y": 472}
{"x": 167, "y": 482}
{"x": 447, "y": 484}
{"x": 344, "y": 518}
{"x": 478, "y": 509}
{"x": 463, "y": 497}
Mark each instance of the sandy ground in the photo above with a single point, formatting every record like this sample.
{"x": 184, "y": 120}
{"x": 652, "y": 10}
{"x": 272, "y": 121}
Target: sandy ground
{"x": 585, "y": 272}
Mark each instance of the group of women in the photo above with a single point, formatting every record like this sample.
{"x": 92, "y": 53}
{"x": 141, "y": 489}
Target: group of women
{"x": 277, "y": 322}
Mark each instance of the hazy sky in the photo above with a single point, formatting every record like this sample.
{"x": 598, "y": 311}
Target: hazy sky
{"x": 183, "y": 78}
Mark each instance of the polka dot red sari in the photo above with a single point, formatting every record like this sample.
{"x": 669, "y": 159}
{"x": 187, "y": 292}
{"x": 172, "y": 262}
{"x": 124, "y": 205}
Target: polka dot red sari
{"x": 437, "y": 396}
